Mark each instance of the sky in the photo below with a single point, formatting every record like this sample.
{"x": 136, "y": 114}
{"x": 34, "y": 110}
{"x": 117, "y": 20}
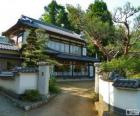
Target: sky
{"x": 11, "y": 10}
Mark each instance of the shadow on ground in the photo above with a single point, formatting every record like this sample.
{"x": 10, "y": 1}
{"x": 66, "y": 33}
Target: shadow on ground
{"x": 75, "y": 100}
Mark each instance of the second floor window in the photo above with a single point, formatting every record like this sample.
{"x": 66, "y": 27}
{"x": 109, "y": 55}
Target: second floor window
{"x": 65, "y": 47}
{"x": 20, "y": 39}
{"x": 75, "y": 49}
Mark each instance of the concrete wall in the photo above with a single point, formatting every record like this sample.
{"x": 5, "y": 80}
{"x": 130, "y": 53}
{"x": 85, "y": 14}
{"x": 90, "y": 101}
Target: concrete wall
{"x": 29, "y": 80}
{"x": 8, "y": 84}
{"x": 20, "y": 83}
{"x": 120, "y": 98}
{"x": 26, "y": 81}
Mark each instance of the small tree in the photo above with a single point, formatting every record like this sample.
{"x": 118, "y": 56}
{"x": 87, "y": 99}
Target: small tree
{"x": 34, "y": 50}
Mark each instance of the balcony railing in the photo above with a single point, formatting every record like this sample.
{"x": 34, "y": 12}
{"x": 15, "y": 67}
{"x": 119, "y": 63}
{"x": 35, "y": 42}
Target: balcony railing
{"x": 69, "y": 74}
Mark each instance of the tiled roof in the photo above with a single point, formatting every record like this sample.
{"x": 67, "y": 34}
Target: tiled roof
{"x": 126, "y": 83}
{"x": 26, "y": 70}
{"x": 6, "y": 45}
{"x": 7, "y": 75}
{"x": 71, "y": 57}
{"x": 49, "y": 27}
{"x": 12, "y": 74}
{"x": 10, "y": 56}
{"x": 78, "y": 58}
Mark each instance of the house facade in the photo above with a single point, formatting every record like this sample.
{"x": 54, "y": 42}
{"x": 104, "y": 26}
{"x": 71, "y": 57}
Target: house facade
{"x": 64, "y": 46}
{"x": 9, "y": 55}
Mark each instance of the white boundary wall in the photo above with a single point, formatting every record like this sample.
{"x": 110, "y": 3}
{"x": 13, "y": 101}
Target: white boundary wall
{"x": 120, "y": 98}
{"x": 20, "y": 83}
{"x": 26, "y": 81}
{"x": 9, "y": 84}
{"x": 29, "y": 80}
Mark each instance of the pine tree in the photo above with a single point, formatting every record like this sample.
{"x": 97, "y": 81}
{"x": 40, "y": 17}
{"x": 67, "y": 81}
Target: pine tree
{"x": 34, "y": 50}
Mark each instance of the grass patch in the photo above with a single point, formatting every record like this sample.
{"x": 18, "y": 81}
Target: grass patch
{"x": 53, "y": 87}
{"x": 31, "y": 95}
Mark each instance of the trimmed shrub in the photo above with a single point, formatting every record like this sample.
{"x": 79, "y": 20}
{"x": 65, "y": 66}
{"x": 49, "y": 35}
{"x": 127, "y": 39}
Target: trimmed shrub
{"x": 125, "y": 66}
{"x": 31, "y": 95}
{"x": 53, "y": 88}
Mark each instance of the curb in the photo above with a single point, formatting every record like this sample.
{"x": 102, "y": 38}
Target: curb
{"x": 28, "y": 107}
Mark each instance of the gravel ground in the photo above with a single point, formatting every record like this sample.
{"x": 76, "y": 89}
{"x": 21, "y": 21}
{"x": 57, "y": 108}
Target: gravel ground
{"x": 75, "y": 100}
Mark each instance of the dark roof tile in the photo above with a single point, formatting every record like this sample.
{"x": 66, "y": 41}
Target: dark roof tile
{"x": 26, "y": 69}
{"x": 6, "y": 45}
{"x": 49, "y": 27}
{"x": 126, "y": 83}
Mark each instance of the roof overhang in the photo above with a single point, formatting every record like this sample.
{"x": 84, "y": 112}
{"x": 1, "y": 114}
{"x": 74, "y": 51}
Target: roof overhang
{"x": 71, "y": 57}
{"x": 33, "y": 23}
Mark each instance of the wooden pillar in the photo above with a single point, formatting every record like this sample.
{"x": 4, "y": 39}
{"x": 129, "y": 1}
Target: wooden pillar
{"x": 72, "y": 68}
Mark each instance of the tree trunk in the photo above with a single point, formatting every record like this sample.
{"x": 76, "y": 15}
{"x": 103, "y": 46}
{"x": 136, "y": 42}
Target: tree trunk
{"x": 126, "y": 39}
{"x": 103, "y": 50}
{"x": 126, "y": 50}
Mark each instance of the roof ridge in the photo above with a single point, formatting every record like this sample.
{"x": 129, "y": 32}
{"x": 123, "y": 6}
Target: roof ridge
{"x": 47, "y": 24}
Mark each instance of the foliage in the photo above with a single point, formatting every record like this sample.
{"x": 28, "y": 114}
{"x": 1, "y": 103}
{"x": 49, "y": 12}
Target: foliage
{"x": 75, "y": 16}
{"x": 98, "y": 27}
{"x": 135, "y": 76}
{"x": 123, "y": 16}
{"x": 99, "y": 33}
{"x": 34, "y": 50}
{"x": 53, "y": 88}
{"x": 129, "y": 65}
{"x": 112, "y": 41}
{"x": 56, "y": 14}
{"x": 31, "y": 95}
{"x": 99, "y": 10}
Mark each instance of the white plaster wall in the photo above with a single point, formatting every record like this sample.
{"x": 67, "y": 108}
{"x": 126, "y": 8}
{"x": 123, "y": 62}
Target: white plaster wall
{"x": 8, "y": 84}
{"x": 43, "y": 80}
{"x": 84, "y": 51}
{"x": 25, "y": 35}
{"x": 121, "y": 98}
{"x": 26, "y": 81}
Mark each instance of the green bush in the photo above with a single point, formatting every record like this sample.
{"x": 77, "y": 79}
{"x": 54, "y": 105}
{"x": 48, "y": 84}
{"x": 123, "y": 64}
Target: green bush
{"x": 31, "y": 95}
{"x": 53, "y": 88}
{"x": 125, "y": 66}
{"x": 135, "y": 76}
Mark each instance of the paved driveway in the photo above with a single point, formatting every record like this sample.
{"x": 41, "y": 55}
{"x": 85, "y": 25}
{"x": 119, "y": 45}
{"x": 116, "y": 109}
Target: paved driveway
{"x": 75, "y": 100}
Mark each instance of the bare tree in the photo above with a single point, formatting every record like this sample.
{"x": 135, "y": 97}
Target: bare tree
{"x": 123, "y": 16}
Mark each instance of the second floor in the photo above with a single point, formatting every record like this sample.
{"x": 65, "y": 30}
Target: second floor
{"x": 60, "y": 39}
{"x": 55, "y": 43}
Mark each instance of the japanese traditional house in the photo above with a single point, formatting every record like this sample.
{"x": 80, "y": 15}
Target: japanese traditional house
{"x": 9, "y": 55}
{"x": 64, "y": 45}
